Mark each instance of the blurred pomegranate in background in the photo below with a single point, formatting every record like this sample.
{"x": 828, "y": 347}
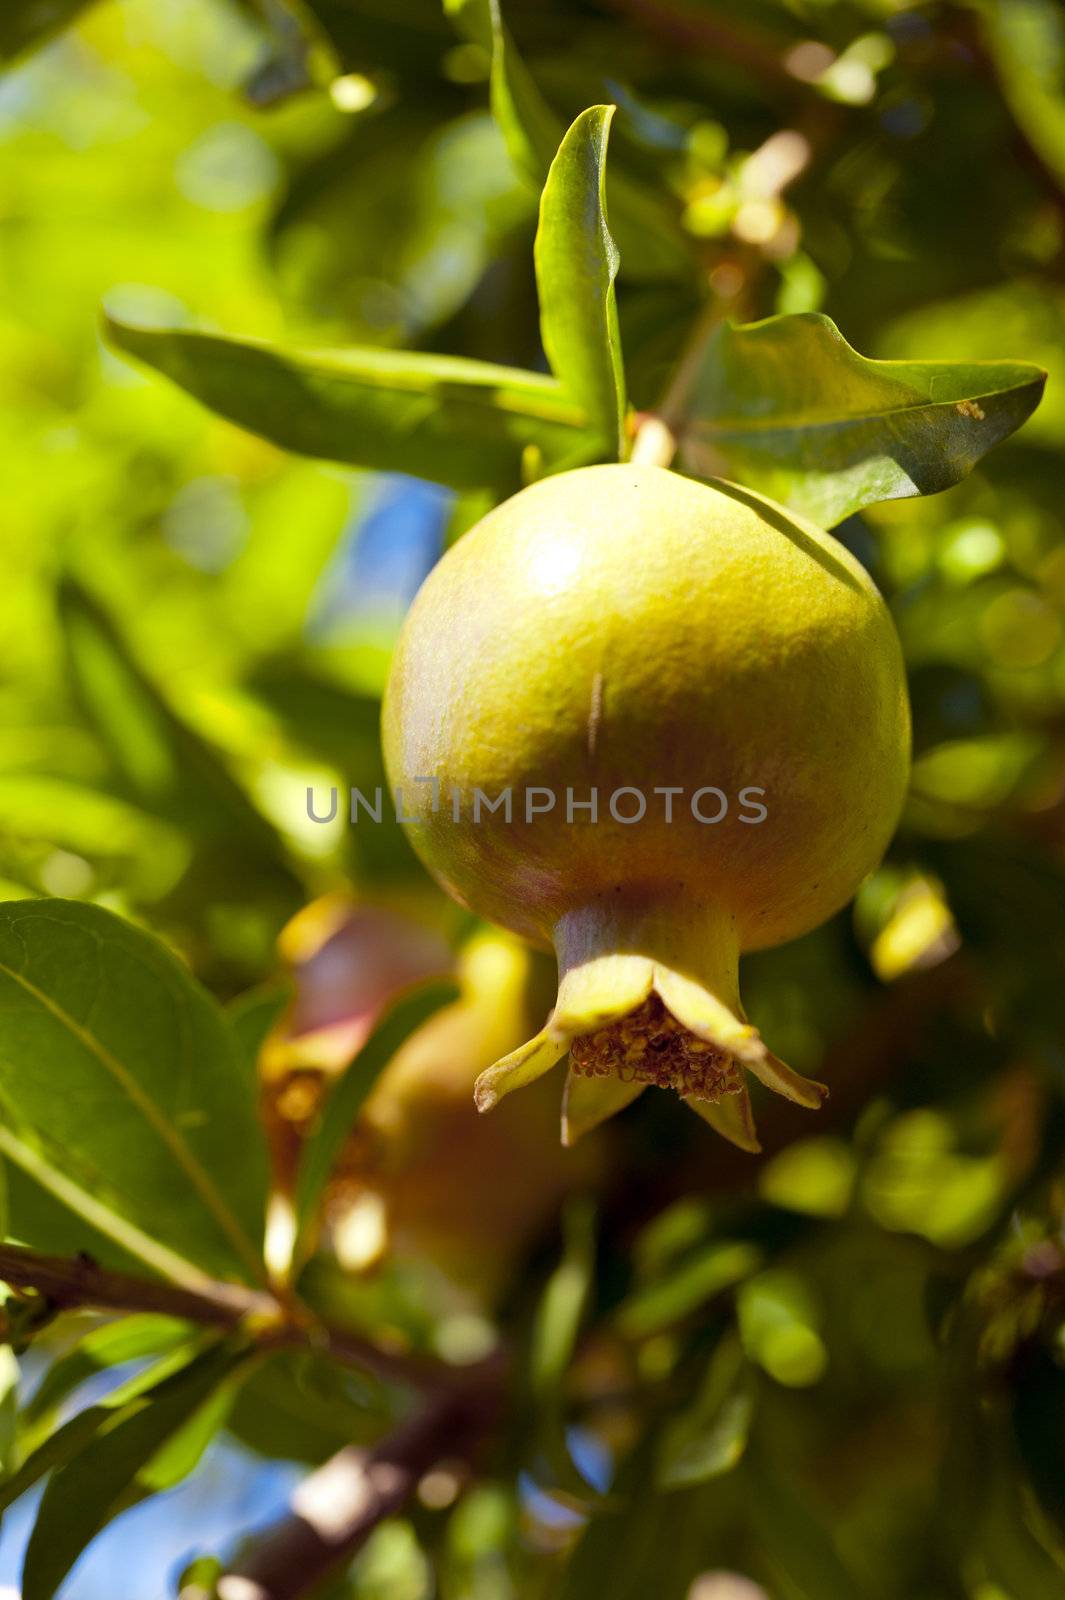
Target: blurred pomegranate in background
{"x": 348, "y": 960}
{"x": 423, "y": 1175}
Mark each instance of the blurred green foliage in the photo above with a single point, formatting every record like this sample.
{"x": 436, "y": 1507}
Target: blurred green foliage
{"x": 838, "y": 1373}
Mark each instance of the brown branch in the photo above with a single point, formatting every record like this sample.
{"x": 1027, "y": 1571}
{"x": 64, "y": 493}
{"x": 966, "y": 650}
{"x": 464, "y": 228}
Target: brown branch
{"x": 334, "y": 1511}
{"x": 337, "y": 1508}
{"x": 71, "y": 1283}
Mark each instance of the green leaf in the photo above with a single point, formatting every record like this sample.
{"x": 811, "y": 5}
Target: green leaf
{"x": 163, "y": 762}
{"x": 460, "y": 422}
{"x": 183, "y": 1449}
{"x": 688, "y": 1285}
{"x": 344, "y": 1102}
{"x": 562, "y": 1307}
{"x": 36, "y": 806}
{"x": 87, "y": 1491}
{"x": 531, "y": 129}
{"x": 52, "y": 1212}
{"x": 121, "y": 1070}
{"x": 710, "y": 1436}
{"x": 129, "y": 1339}
{"x": 300, "y": 1406}
{"x": 576, "y": 264}
{"x": 648, "y": 235}
{"x": 786, "y": 407}
{"x": 27, "y": 24}
{"x": 65, "y": 1443}
{"x": 1028, "y": 47}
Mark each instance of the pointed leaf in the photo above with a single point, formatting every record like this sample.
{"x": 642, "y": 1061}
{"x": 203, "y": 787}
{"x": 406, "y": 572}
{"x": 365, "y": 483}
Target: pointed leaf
{"x": 458, "y": 421}
{"x": 345, "y": 1100}
{"x": 531, "y": 130}
{"x": 786, "y": 407}
{"x": 86, "y": 1492}
{"x": 650, "y": 240}
{"x": 576, "y": 264}
{"x": 121, "y": 1070}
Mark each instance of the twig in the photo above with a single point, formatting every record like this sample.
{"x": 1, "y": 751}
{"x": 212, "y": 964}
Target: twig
{"x": 334, "y": 1511}
{"x": 71, "y": 1283}
{"x": 74, "y": 1282}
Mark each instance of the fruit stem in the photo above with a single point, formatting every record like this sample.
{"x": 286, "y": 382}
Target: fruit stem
{"x": 654, "y": 444}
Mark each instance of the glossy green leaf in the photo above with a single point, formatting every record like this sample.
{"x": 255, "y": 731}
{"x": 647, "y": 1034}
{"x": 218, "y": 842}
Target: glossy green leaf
{"x": 342, "y": 1105}
{"x": 27, "y": 24}
{"x": 121, "y": 1070}
{"x": 648, "y": 236}
{"x": 786, "y": 407}
{"x": 86, "y": 1492}
{"x": 458, "y": 421}
{"x": 576, "y": 264}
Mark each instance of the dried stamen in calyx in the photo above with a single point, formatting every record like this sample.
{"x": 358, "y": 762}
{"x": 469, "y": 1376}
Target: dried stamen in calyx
{"x": 649, "y": 1045}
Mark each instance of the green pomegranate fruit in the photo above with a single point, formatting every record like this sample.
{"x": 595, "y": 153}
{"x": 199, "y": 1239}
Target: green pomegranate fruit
{"x": 656, "y": 723}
